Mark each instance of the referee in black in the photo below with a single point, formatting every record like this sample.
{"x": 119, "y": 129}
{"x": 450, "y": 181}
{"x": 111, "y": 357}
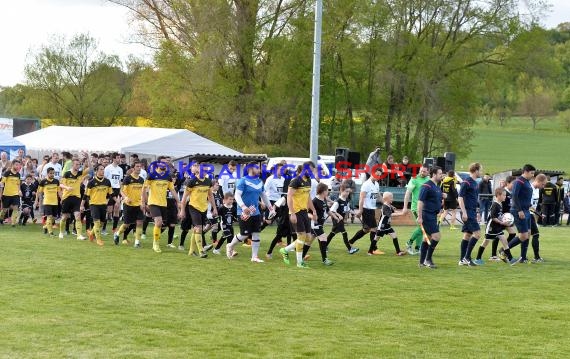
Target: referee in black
{"x": 429, "y": 206}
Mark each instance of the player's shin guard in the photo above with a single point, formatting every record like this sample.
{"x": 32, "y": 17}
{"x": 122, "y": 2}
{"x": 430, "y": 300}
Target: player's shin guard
{"x": 463, "y": 250}
{"x": 330, "y": 237}
{"x": 470, "y": 246}
{"x": 524, "y": 249}
{"x": 255, "y": 244}
{"x": 536, "y": 245}
{"x": 156, "y": 233}
{"x": 323, "y": 248}
{"x": 122, "y": 229}
{"x": 494, "y": 246}
{"x": 49, "y": 224}
{"x": 97, "y": 229}
{"x": 431, "y": 249}
{"x": 198, "y": 240}
{"x": 423, "y": 252}
{"x": 396, "y": 245}
{"x": 78, "y": 227}
{"x": 15, "y": 215}
{"x": 138, "y": 233}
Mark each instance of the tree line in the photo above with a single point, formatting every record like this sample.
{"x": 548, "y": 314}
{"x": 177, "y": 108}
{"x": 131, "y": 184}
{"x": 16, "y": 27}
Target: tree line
{"x": 410, "y": 75}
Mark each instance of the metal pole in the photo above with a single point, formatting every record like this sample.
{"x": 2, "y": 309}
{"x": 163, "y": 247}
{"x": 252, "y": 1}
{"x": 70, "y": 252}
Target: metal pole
{"x": 316, "y": 82}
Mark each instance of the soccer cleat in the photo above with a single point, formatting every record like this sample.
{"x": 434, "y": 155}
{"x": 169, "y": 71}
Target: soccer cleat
{"x": 430, "y": 264}
{"x": 216, "y": 251}
{"x": 537, "y": 260}
{"x": 100, "y": 242}
{"x": 302, "y": 265}
{"x": 116, "y": 238}
{"x": 401, "y": 253}
{"x": 91, "y": 235}
{"x": 494, "y": 259}
{"x": 421, "y": 265}
{"x": 462, "y": 263}
{"x": 269, "y": 256}
{"x": 208, "y": 247}
{"x": 143, "y": 236}
{"x": 104, "y": 232}
{"x": 328, "y": 262}
{"x": 479, "y": 262}
{"x": 376, "y": 252}
{"x": 203, "y": 255}
{"x": 81, "y": 238}
{"x": 256, "y": 260}
{"x": 137, "y": 244}
{"x": 470, "y": 263}
{"x": 285, "y": 255}
{"x": 353, "y": 250}
{"x": 181, "y": 248}
{"x": 514, "y": 261}
{"x": 170, "y": 245}
{"x": 60, "y": 235}
{"x": 156, "y": 247}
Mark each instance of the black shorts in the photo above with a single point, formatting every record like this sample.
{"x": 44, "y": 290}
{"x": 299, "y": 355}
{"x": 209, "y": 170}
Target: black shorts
{"x": 172, "y": 214}
{"x": 369, "y": 218}
{"x": 227, "y": 231}
{"x": 50, "y": 210}
{"x": 70, "y": 205}
{"x": 303, "y": 224}
{"x": 198, "y": 218}
{"x": 385, "y": 231}
{"x": 318, "y": 231}
{"x": 430, "y": 224}
{"x": 132, "y": 214}
{"x": 249, "y": 226}
{"x": 283, "y": 229}
{"x": 493, "y": 236}
{"x": 338, "y": 226}
{"x": 450, "y": 204}
{"x": 98, "y": 212}
{"x": 8, "y": 201}
{"x": 186, "y": 223}
{"x": 114, "y": 197}
{"x": 158, "y": 211}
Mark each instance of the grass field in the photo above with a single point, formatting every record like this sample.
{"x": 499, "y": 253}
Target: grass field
{"x": 504, "y": 148}
{"x": 65, "y": 298}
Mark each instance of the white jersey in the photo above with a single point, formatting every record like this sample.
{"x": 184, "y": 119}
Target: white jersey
{"x": 56, "y": 167}
{"x": 115, "y": 175}
{"x": 274, "y": 187}
{"x": 143, "y": 174}
{"x": 227, "y": 182}
{"x": 314, "y": 184}
{"x": 372, "y": 190}
{"x": 535, "y": 197}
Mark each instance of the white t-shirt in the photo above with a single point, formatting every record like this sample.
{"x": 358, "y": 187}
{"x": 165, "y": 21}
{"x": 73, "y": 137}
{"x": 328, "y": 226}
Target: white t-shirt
{"x": 535, "y": 197}
{"x": 372, "y": 190}
{"x": 274, "y": 187}
{"x": 228, "y": 183}
{"x": 314, "y": 184}
{"x": 114, "y": 174}
{"x": 143, "y": 174}
{"x": 56, "y": 167}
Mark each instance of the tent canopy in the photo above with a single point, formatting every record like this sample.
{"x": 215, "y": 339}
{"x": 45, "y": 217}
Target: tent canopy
{"x": 140, "y": 140}
{"x": 10, "y": 145}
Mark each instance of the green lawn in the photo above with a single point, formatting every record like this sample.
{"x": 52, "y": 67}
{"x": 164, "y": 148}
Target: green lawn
{"x": 65, "y": 298}
{"x": 503, "y": 148}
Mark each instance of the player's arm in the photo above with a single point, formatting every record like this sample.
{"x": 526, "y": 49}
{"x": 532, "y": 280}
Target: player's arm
{"x": 290, "y": 193}
{"x": 420, "y": 211}
{"x": 361, "y": 202}
{"x": 266, "y": 202}
{"x": 407, "y": 197}
{"x": 144, "y": 194}
{"x": 311, "y": 207}
{"x": 39, "y": 195}
{"x": 174, "y": 193}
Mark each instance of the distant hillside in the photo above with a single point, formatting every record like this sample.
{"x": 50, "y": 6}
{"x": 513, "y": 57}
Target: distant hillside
{"x": 501, "y": 148}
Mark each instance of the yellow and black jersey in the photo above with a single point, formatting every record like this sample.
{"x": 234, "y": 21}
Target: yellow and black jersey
{"x": 132, "y": 187}
{"x": 448, "y": 186}
{"x": 302, "y": 189}
{"x": 198, "y": 190}
{"x": 11, "y": 182}
{"x": 157, "y": 191}
{"x": 50, "y": 190}
{"x": 74, "y": 181}
{"x": 97, "y": 190}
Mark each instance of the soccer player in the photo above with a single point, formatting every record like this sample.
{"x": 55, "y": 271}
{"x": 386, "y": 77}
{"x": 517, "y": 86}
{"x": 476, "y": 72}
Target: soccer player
{"x": 429, "y": 206}
{"x": 299, "y": 202}
{"x": 495, "y": 227}
{"x": 133, "y": 210}
{"x": 97, "y": 193}
{"x": 283, "y": 225}
{"x": 367, "y": 204}
{"x": 385, "y": 225}
{"x": 413, "y": 191}
{"x": 49, "y": 190}
{"x": 322, "y": 212}
{"x": 28, "y": 189}
{"x": 248, "y": 191}
{"x": 507, "y": 185}
{"x": 10, "y": 192}
{"x": 448, "y": 186}
{"x": 227, "y": 218}
{"x": 154, "y": 199}
{"x": 199, "y": 194}
{"x": 71, "y": 196}
{"x": 274, "y": 189}
{"x": 468, "y": 202}
{"x": 172, "y": 211}
{"x": 114, "y": 173}
{"x": 539, "y": 182}
{"x": 54, "y": 163}
{"x": 342, "y": 207}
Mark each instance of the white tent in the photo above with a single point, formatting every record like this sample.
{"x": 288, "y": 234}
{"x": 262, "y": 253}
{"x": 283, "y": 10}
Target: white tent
{"x": 146, "y": 141}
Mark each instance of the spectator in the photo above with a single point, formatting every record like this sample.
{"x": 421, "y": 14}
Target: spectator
{"x": 548, "y": 196}
{"x": 567, "y": 206}
{"x": 559, "y": 199}
{"x": 485, "y": 196}
{"x": 373, "y": 160}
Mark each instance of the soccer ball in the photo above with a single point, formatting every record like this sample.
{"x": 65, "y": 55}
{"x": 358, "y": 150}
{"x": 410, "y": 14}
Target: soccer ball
{"x": 507, "y": 217}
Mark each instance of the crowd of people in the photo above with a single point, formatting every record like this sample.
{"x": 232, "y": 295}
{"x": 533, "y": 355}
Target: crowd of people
{"x": 87, "y": 191}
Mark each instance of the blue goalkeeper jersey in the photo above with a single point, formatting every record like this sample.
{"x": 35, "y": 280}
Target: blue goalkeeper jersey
{"x": 251, "y": 189}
